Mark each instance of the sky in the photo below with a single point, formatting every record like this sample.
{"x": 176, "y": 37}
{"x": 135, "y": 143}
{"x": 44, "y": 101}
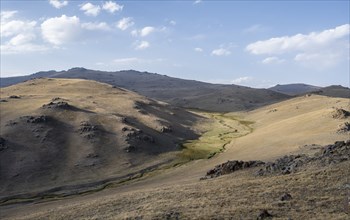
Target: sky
{"x": 252, "y": 43}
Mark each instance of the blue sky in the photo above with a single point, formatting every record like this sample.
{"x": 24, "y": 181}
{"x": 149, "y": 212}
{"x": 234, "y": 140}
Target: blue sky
{"x": 253, "y": 43}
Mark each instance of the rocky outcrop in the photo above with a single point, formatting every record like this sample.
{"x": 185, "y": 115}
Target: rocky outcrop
{"x": 344, "y": 128}
{"x": 230, "y": 167}
{"x": 340, "y": 113}
{"x": 57, "y": 105}
{"x": 330, "y": 154}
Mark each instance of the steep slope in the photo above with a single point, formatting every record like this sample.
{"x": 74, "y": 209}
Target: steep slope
{"x": 59, "y": 132}
{"x": 179, "y": 92}
{"x": 294, "y": 89}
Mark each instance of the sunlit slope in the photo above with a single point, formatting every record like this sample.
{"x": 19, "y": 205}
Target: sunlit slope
{"x": 287, "y": 126}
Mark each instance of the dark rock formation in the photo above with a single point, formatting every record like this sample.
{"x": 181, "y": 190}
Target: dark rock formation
{"x": 340, "y": 113}
{"x": 286, "y": 197}
{"x": 57, "y": 105}
{"x": 264, "y": 214}
{"x": 230, "y": 167}
{"x": 35, "y": 119}
{"x": 343, "y": 128}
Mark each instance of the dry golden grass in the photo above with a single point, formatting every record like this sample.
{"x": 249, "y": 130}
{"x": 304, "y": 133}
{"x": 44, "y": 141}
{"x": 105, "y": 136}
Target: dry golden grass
{"x": 318, "y": 193}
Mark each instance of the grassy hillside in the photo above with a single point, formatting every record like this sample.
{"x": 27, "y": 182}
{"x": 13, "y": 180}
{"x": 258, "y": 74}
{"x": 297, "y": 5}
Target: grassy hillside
{"x": 58, "y": 132}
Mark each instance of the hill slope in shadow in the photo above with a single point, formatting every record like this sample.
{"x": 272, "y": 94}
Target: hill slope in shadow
{"x": 57, "y": 132}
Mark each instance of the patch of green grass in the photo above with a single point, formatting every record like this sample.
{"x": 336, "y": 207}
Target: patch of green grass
{"x": 220, "y": 132}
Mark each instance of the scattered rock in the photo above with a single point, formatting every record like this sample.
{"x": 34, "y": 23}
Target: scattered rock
{"x": 35, "y": 119}
{"x": 2, "y": 144}
{"x": 285, "y": 165}
{"x": 273, "y": 110}
{"x": 57, "y": 105}
{"x": 166, "y": 129}
{"x": 3, "y": 100}
{"x": 286, "y": 197}
{"x": 125, "y": 129}
{"x": 130, "y": 148}
{"x": 86, "y": 127}
{"x": 330, "y": 154}
{"x": 343, "y": 128}
{"x": 340, "y": 113}
{"x": 172, "y": 215}
{"x": 14, "y": 97}
{"x": 264, "y": 214}
{"x": 230, "y": 167}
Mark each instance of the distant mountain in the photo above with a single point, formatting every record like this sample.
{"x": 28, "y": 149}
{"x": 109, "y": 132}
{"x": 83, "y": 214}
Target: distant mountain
{"x": 334, "y": 91}
{"x": 295, "y": 89}
{"x": 179, "y": 92}
{"x": 301, "y": 89}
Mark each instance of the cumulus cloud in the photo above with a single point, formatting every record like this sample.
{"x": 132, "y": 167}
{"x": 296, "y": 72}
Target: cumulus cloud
{"x": 58, "y": 4}
{"x": 272, "y": 60}
{"x": 146, "y": 31}
{"x": 112, "y": 7}
{"x": 142, "y": 45}
{"x": 125, "y": 23}
{"x": 96, "y": 26}
{"x": 17, "y": 36}
{"x": 299, "y": 42}
{"x": 90, "y": 9}
{"x": 7, "y": 14}
{"x": 198, "y": 49}
{"x": 221, "y": 52}
{"x": 60, "y": 30}
{"x": 197, "y": 2}
{"x": 172, "y": 22}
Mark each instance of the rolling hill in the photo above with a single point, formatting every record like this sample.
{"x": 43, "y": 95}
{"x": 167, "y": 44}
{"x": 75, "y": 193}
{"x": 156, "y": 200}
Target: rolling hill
{"x": 71, "y": 134}
{"x": 302, "y": 89}
{"x": 178, "y": 92}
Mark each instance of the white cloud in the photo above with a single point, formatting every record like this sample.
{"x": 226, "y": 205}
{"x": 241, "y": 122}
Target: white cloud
{"x": 243, "y": 79}
{"x": 58, "y": 4}
{"x": 14, "y": 27}
{"x": 59, "y": 30}
{"x": 197, "y": 2}
{"x": 96, "y": 26}
{"x": 221, "y": 52}
{"x": 17, "y": 36}
{"x": 299, "y": 42}
{"x": 272, "y": 60}
{"x": 90, "y": 9}
{"x": 142, "y": 45}
{"x": 125, "y": 23}
{"x": 7, "y": 15}
{"x": 172, "y": 22}
{"x": 198, "y": 49}
{"x": 146, "y": 31}
{"x": 112, "y": 7}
